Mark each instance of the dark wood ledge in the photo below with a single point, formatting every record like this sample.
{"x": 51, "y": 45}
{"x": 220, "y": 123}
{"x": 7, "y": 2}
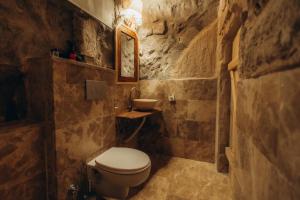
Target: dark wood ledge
{"x": 137, "y": 114}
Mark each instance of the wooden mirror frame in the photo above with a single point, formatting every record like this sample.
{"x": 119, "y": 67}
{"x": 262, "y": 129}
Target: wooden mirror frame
{"x": 118, "y": 61}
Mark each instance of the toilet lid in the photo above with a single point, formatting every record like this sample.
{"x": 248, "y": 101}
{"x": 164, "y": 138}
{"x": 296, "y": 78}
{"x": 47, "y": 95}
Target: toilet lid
{"x": 123, "y": 160}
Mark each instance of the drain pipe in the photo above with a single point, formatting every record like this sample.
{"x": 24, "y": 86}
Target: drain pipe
{"x": 136, "y": 131}
{"x": 73, "y": 190}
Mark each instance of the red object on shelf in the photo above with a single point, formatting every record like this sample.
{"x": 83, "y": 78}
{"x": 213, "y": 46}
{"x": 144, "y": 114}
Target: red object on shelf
{"x": 72, "y": 56}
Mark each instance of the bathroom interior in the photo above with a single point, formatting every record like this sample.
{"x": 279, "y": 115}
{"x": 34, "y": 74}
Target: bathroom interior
{"x": 149, "y": 100}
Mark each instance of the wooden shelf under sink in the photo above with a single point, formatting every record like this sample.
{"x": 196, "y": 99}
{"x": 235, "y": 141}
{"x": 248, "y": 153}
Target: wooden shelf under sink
{"x": 137, "y": 114}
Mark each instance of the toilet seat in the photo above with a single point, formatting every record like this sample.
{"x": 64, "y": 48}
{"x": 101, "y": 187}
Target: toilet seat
{"x": 121, "y": 160}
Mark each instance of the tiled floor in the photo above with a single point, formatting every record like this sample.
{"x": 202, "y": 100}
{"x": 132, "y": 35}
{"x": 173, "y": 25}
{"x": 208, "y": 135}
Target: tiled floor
{"x": 182, "y": 179}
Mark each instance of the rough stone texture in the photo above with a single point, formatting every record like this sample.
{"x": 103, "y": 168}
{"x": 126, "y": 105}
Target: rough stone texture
{"x": 266, "y": 147}
{"x": 22, "y": 162}
{"x": 29, "y": 29}
{"x": 127, "y": 56}
{"x": 270, "y": 37}
{"x": 265, "y": 150}
{"x": 265, "y": 153}
{"x": 187, "y": 127}
{"x": 32, "y": 28}
{"x": 94, "y": 39}
{"x": 198, "y": 59}
{"x": 229, "y": 22}
{"x": 177, "y": 51}
{"x": 168, "y": 28}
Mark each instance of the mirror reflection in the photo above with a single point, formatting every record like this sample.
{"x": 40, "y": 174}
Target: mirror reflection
{"x": 127, "y": 52}
{"x": 127, "y": 55}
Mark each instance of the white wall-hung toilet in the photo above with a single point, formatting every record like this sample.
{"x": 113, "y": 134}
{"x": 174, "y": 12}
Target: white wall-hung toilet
{"x": 114, "y": 171}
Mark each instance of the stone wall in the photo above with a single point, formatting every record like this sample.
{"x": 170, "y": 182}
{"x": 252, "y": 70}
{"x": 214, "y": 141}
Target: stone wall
{"x": 82, "y": 127}
{"x": 168, "y": 29}
{"x": 77, "y": 128}
{"x": 185, "y": 128}
{"x": 264, "y": 152}
{"x": 94, "y": 40}
{"x": 177, "y": 56}
{"x": 278, "y": 29}
{"x": 30, "y": 29}
{"x": 229, "y": 21}
{"x": 127, "y": 56}
{"x": 265, "y": 147}
{"x": 27, "y": 29}
{"x": 22, "y": 162}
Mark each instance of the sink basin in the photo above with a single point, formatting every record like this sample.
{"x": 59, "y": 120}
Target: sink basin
{"x": 144, "y": 104}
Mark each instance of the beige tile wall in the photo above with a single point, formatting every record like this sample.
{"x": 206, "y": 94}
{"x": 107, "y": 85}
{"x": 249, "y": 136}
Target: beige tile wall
{"x": 83, "y": 128}
{"x": 22, "y": 162}
{"x": 185, "y": 128}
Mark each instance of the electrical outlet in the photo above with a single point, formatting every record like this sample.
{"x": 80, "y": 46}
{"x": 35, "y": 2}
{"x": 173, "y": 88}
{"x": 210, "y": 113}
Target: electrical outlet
{"x": 172, "y": 98}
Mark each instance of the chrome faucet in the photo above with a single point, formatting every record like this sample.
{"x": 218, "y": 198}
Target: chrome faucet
{"x": 134, "y": 93}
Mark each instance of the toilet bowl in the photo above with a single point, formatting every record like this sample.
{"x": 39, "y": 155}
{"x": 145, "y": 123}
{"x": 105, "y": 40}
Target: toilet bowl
{"x": 114, "y": 171}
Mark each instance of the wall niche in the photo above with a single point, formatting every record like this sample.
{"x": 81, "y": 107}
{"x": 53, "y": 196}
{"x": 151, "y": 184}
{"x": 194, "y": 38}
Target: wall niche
{"x": 13, "y": 103}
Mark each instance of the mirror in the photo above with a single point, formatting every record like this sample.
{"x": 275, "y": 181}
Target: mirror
{"x": 127, "y": 65}
{"x": 127, "y": 56}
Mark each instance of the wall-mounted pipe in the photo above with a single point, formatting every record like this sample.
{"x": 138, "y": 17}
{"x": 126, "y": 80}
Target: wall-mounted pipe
{"x": 136, "y": 131}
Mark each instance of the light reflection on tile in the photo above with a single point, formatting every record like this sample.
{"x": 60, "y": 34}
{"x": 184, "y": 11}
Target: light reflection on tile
{"x": 176, "y": 178}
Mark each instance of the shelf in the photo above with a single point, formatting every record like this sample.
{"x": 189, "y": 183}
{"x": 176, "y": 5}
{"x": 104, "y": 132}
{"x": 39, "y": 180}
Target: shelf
{"x": 137, "y": 114}
{"x": 81, "y": 64}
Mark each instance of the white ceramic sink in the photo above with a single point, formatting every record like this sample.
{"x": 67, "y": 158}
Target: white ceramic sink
{"x": 144, "y": 104}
